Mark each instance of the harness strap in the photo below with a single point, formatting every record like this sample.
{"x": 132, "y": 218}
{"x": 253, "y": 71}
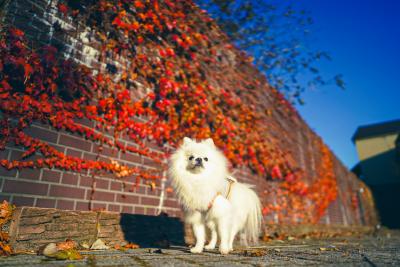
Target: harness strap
{"x": 228, "y": 193}
{"x": 229, "y": 188}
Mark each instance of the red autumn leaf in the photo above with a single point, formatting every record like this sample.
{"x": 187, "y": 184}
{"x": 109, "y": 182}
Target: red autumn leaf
{"x": 63, "y": 9}
{"x": 117, "y": 21}
{"x": 139, "y": 4}
{"x": 16, "y": 32}
{"x": 131, "y": 246}
{"x": 276, "y": 172}
{"x": 28, "y": 70}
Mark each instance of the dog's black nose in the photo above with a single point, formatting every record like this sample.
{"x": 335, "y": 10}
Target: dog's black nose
{"x": 199, "y": 160}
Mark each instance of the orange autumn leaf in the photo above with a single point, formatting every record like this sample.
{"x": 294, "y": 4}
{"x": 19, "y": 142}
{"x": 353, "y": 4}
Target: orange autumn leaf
{"x": 131, "y": 246}
{"x": 184, "y": 103}
{"x": 67, "y": 244}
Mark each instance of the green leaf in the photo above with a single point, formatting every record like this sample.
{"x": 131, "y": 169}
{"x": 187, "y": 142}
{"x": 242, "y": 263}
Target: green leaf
{"x": 69, "y": 254}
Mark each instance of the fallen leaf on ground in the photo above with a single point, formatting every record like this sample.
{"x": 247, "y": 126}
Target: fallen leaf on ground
{"x": 254, "y": 253}
{"x": 322, "y": 249}
{"x": 99, "y": 245}
{"x": 6, "y": 211}
{"x": 120, "y": 248}
{"x": 69, "y": 254}
{"x": 131, "y": 246}
{"x": 67, "y": 244}
{"x": 52, "y": 250}
{"x": 5, "y": 249}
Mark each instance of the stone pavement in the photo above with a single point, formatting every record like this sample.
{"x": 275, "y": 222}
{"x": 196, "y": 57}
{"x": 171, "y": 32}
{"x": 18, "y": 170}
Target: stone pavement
{"x": 382, "y": 249}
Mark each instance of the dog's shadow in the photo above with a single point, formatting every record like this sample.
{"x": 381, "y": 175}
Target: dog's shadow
{"x": 153, "y": 231}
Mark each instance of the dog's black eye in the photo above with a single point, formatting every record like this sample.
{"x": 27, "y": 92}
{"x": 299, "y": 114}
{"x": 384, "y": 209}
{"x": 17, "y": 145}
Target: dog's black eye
{"x": 191, "y": 157}
{"x": 206, "y": 159}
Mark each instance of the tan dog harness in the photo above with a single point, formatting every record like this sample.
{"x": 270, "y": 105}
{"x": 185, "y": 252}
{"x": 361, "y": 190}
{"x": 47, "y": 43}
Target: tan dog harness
{"x": 231, "y": 181}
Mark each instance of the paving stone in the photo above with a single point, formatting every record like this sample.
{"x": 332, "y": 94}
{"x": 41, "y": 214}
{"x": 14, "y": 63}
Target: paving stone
{"x": 382, "y": 249}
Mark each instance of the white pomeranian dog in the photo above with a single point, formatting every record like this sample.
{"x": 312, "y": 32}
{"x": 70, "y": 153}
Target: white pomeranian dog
{"x": 212, "y": 198}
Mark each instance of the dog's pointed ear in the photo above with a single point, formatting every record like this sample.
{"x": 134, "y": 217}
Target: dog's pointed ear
{"x": 209, "y": 142}
{"x": 186, "y": 141}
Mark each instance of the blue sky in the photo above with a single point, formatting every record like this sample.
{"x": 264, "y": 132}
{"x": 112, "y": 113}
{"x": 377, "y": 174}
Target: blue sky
{"x": 363, "y": 38}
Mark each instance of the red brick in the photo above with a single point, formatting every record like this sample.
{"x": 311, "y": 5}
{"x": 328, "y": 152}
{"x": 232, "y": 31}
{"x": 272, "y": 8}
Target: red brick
{"x": 7, "y": 173}
{"x": 74, "y": 153}
{"x": 149, "y": 201}
{"x": 64, "y": 191}
{"x": 65, "y": 204}
{"x": 82, "y": 206}
{"x": 4, "y": 154}
{"x": 171, "y": 203}
{"x": 100, "y": 195}
{"x": 151, "y": 211}
{"x": 78, "y": 143}
{"x": 23, "y": 201}
{"x": 51, "y": 176}
{"x": 89, "y": 156}
{"x": 99, "y": 206}
{"x": 153, "y": 192}
{"x": 116, "y": 186}
{"x": 105, "y": 159}
{"x": 86, "y": 181}
{"x": 125, "y": 198}
{"x": 16, "y": 155}
{"x": 139, "y": 210}
{"x": 59, "y": 148}
{"x": 112, "y": 207}
{"x": 102, "y": 183}
{"x": 131, "y": 157}
{"x": 153, "y": 146}
{"x": 107, "y": 151}
{"x": 69, "y": 178}
{"x": 45, "y": 203}
{"x": 127, "y": 209}
{"x": 23, "y": 187}
{"x": 85, "y": 122}
{"x": 141, "y": 189}
{"x": 106, "y": 174}
{"x": 151, "y": 163}
{"x": 42, "y": 134}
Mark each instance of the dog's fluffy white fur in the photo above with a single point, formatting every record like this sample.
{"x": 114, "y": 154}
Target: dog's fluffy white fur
{"x": 200, "y": 176}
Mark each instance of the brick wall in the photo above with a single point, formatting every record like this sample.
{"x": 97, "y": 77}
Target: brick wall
{"x": 52, "y": 188}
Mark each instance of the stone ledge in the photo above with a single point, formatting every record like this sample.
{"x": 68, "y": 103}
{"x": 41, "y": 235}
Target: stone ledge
{"x": 32, "y": 227}
{"x": 315, "y": 230}
{"x": 299, "y": 231}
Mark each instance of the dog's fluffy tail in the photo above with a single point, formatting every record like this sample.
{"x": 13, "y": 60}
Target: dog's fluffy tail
{"x": 252, "y": 226}
{"x": 248, "y": 205}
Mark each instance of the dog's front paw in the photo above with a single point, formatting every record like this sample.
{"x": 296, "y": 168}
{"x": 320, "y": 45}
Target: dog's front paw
{"x": 196, "y": 250}
{"x": 210, "y": 246}
{"x": 224, "y": 250}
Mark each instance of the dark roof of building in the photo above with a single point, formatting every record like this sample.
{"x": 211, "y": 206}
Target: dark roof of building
{"x": 376, "y": 129}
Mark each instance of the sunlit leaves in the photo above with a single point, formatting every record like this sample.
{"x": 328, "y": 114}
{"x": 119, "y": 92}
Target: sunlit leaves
{"x": 160, "y": 93}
